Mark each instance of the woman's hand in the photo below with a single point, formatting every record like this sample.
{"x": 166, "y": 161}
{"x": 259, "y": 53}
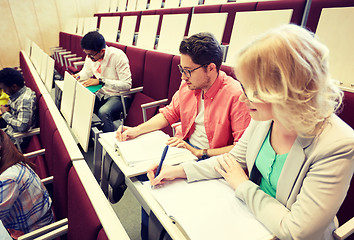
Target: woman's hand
{"x": 232, "y": 171}
{"x": 168, "y": 173}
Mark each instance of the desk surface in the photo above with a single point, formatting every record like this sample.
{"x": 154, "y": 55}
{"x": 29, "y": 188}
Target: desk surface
{"x": 142, "y": 194}
{"x": 127, "y": 170}
{"x": 4, "y": 234}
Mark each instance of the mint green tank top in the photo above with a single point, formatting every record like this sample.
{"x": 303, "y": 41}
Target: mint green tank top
{"x": 269, "y": 165}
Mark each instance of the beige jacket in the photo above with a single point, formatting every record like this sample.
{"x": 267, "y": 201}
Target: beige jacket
{"x": 311, "y": 187}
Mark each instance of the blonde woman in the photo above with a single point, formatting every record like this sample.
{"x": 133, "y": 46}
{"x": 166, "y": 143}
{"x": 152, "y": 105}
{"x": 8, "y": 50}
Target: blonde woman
{"x": 299, "y": 154}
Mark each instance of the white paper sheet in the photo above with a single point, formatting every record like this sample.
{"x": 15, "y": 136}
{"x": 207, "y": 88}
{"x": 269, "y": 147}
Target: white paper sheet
{"x": 208, "y": 210}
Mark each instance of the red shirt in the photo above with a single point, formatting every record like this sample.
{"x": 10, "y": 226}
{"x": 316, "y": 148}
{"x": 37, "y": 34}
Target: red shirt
{"x": 225, "y": 117}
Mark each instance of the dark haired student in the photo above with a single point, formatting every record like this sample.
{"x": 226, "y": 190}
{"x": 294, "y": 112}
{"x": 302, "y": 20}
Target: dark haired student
{"x": 109, "y": 67}
{"x": 20, "y": 111}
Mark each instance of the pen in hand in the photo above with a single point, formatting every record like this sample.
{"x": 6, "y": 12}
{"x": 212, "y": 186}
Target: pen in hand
{"x": 122, "y": 122}
{"x": 158, "y": 170}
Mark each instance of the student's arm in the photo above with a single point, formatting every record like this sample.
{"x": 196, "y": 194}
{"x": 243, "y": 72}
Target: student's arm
{"x": 21, "y": 122}
{"x": 9, "y": 192}
{"x": 240, "y": 118}
{"x": 168, "y": 173}
{"x": 86, "y": 71}
{"x": 213, "y": 151}
{"x": 177, "y": 142}
{"x": 156, "y": 122}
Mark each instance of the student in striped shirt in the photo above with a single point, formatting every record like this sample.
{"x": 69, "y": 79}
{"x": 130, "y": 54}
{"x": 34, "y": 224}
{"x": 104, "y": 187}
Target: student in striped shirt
{"x": 25, "y": 204}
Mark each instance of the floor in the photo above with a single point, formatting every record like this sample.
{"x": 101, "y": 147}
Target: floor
{"x": 127, "y": 209}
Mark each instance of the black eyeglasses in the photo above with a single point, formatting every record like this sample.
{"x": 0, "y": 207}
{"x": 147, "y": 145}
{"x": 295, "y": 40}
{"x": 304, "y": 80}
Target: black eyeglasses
{"x": 243, "y": 89}
{"x": 188, "y": 72}
{"x": 92, "y": 55}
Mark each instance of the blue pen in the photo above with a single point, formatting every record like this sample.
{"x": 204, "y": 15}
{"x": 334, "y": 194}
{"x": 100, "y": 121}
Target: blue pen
{"x": 161, "y": 162}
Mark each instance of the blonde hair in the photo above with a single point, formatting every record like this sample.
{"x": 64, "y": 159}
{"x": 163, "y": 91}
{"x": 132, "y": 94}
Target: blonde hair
{"x": 288, "y": 67}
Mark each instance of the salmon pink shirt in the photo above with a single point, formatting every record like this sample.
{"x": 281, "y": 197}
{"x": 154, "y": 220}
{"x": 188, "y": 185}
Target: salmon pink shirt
{"x": 225, "y": 116}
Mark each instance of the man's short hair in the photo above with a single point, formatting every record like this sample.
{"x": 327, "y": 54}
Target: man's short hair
{"x": 93, "y": 41}
{"x": 10, "y": 76}
{"x": 203, "y": 48}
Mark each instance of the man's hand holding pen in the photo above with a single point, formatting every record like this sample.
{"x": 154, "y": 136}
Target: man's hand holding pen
{"x": 125, "y": 133}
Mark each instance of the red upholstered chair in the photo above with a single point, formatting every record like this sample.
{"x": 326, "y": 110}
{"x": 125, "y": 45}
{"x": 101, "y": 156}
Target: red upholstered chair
{"x": 27, "y": 75}
{"x": 157, "y": 74}
{"x": 346, "y": 113}
{"x": 47, "y": 127}
{"x": 298, "y": 7}
{"x": 99, "y": 15}
{"x": 162, "y": 12}
{"x": 346, "y": 210}
{"x": 228, "y": 70}
{"x": 102, "y": 235}
{"x": 207, "y": 8}
{"x": 232, "y": 10}
{"x": 39, "y": 161}
{"x": 135, "y": 116}
{"x": 182, "y": 10}
{"x": 175, "y": 82}
{"x": 175, "y": 78}
{"x": 82, "y": 218}
{"x": 132, "y": 13}
{"x": 61, "y": 165}
{"x": 117, "y": 45}
{"x": 316, "y": 9}
{"x": 136, "y": 58}
{"x": 64, "y": 50}
{"x": 35, "y": 146}
{"x": 74, "y": 64}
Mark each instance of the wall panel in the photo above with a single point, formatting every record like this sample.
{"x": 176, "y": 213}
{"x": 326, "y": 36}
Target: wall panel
{"x": 9, "y": 44}
{"x": 25, "y": 18}
{"x": 48, "y": 23}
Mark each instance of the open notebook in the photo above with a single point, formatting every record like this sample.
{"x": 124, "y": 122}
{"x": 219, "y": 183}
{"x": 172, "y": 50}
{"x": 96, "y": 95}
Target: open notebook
{"x": 208, "y": 210}
{"x": 147, "y": 149}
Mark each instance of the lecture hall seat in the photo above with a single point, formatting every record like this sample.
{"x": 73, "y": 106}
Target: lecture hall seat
{"x": 298, "y": 7}
{"x": 232, "y": 10}
{"x": 82, "y": 218}
{"x": 316, "y": 9}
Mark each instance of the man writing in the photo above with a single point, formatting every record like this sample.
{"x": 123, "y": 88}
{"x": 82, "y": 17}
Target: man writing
{"x": 107, "y": 66}
{"x": 207, "y": 103}
{"x": 19, "y": 113}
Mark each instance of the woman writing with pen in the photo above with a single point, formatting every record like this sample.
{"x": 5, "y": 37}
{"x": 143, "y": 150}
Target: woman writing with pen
{"x": 299, "y": 154}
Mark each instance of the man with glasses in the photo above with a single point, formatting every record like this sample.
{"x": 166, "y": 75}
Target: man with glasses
{"x": 109, "y": 67}
{"x": 207, "y": 103}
